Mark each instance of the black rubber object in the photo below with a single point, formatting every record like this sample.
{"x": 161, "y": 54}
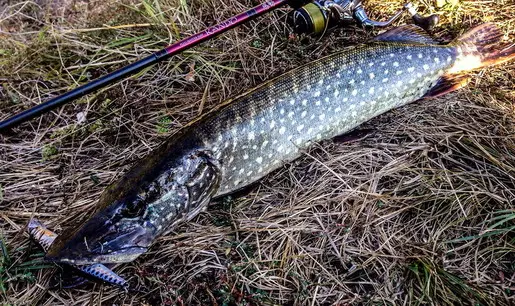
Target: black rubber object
{"x": 427, "y": 23}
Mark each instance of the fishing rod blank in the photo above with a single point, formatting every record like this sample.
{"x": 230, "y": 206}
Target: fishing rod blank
{"x": 141, "y": 64}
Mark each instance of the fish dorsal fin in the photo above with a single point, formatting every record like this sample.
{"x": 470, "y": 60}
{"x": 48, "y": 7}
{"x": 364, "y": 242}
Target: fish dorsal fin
{"x": 409, "y": 33}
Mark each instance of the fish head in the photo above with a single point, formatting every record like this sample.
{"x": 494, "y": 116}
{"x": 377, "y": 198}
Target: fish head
{"x": 124, "y": 227}
{"x": 115, "y": 234}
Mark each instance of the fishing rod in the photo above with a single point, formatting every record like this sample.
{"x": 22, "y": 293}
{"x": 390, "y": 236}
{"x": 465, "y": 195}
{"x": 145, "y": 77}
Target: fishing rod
{"x": 150, "y": 60}
{"x": 307, "y": 17}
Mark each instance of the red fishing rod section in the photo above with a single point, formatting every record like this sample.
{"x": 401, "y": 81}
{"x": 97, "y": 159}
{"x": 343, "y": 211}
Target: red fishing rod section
{"x": 133, "y": 68}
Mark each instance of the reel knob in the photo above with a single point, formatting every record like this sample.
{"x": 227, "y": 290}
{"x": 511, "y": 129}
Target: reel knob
{"x": 426, "y": 23}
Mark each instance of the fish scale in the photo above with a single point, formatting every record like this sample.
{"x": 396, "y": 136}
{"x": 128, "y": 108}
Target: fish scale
{"x": 247, "y": 137}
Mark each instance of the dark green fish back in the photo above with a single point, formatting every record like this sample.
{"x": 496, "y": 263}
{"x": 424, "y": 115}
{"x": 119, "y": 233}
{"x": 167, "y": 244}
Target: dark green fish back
{"x": 265, "y": 128}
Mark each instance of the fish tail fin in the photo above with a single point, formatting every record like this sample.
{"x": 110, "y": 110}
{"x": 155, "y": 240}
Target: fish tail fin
{"x": 480, "y": 47}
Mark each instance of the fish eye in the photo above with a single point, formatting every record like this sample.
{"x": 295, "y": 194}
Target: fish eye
{"x": 133, "y": 209}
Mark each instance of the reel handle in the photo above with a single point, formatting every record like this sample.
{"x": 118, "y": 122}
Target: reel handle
{"x": 318, "y": 15}
{"x": 361, "y": 17}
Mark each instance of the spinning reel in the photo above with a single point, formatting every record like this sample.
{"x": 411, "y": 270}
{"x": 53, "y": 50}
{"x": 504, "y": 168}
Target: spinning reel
{"x": 317, "y": 16}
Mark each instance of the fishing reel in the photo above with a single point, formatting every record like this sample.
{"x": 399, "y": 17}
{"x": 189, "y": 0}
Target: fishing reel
{"x": 315, "y": 17}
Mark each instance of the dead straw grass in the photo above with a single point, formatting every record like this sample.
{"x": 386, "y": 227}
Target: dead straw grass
{"x": 419, "y": 209}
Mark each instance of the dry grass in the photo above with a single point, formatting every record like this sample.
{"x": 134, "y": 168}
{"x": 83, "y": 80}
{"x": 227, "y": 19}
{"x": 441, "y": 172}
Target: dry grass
{"x": 419, "y": 210}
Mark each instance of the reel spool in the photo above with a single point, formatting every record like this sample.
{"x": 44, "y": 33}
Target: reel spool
{"x": 311, "y": 18}
{"x": 319, "y": 15}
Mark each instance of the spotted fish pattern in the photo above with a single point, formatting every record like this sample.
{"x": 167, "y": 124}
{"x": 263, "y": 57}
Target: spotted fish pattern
{"x": 255, "y": 133}
{"x": 271, "y": 126}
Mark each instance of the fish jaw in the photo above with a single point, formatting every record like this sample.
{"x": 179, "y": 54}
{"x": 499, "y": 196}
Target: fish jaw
{"x": 99, "y": 271}
{"x": 45, "y": 237}
{"x": 124, "y": 230}
{"x": 41, "y": 234}
{"x": 105, "y": 238}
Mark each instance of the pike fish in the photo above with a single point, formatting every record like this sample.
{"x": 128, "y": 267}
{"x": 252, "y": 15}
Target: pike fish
{"x": 251, "y": 135}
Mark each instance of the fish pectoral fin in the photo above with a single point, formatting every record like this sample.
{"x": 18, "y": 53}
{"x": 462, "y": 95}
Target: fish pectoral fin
{"x": 447, "y": 84}
{"x": 409, "y": 33}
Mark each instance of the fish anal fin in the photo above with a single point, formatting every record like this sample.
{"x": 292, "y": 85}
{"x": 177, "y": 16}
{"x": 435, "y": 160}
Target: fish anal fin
{"x": 447, "y": 84}
{"x": 409, "y": 33}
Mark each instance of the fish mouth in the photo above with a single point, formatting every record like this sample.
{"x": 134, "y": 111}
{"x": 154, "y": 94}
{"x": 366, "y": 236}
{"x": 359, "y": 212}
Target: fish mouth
{"x": 110, "y": 249}
{"x": 105, "y": 238}
{"x": 119, "y": 256}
